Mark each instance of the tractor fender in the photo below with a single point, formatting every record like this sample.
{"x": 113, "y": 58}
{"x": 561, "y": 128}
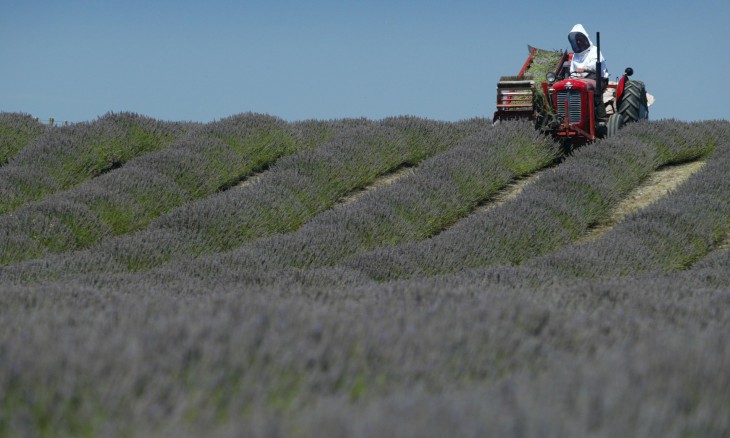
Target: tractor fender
{"x": 620, "y": 88}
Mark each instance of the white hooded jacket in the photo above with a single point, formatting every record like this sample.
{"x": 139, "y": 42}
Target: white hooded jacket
{"x": 587, "y": 58}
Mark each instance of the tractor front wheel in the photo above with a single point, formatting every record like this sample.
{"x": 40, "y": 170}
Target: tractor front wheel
{"x": 566, "y": 147}
{"x": 615, "y": 122}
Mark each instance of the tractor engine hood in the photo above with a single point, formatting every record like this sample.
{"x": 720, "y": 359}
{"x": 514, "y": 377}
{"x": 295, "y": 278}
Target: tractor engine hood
{"x": 575, "y": 84}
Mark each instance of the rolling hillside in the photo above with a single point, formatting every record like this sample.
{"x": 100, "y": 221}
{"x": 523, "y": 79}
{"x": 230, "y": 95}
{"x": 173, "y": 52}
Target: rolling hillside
{"x": 394, "y": 277}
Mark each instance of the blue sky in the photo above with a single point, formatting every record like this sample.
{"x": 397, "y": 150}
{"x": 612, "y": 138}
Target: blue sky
{"x": 323, "y": 59}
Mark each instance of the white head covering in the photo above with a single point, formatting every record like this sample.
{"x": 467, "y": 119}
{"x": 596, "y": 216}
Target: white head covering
{"x": 588, "y": 57}
{"x": 578, "y": 28}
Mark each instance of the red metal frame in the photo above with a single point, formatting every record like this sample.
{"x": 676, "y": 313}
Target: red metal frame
{"x": 620, "y": 89}
{"x": 578, "y": 132}
{"x": 526, "y": 65}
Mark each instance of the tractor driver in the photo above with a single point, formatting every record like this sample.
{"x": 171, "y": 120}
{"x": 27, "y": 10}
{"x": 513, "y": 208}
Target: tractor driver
{"x": 583, "y": 63}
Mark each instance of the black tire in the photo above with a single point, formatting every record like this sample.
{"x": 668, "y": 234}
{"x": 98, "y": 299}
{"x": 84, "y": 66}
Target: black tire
{"x": 566, "y": 147}
{"x": 633, "y": 106}
{"x": 615, "y": 122}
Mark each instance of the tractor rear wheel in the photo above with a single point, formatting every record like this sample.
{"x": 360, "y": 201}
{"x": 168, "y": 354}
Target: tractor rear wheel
{"x": 633, "y": 106}
{"x": 615, "y": 122}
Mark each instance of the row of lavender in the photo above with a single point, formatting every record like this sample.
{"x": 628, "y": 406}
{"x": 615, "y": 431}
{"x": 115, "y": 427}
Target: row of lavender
{"x": 669, "y": 235}
{"x": 290, "y": 193}
{"x": 16, "y": 131}
{"x": 433, "y": 197}
{"x": 613, "y": 358}
{"x": 385, "y": 235}
{"x": 196, "y": 165}
{"x": 60, "y": 158}
{"x": 671, "y": 383}
{"x": 681, "y": 236}
{"x": 468, "y": 354}
{"x": 582, "y": 190}
{"x": 648, "y": 355}
{"x": 553, "y": 212}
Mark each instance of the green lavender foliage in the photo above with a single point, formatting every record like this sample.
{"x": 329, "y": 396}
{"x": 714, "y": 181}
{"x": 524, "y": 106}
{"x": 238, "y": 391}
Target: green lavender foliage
{"x": 623, "y": 336}
{"x": 434, "y": 196}
{"x": 17, "y": 130}
{"x": 64, "y": 157}
{"x": 669, "y": 235}
{"x": 287, "y": 195}
{"x": 548, "y": 215}
{"x": 208, "y": 160}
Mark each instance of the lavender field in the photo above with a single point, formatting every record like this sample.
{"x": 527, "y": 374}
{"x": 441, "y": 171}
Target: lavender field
{"x": 395, "y": 277}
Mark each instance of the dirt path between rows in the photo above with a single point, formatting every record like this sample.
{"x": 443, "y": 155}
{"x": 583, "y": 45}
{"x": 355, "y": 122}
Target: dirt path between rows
{"x": 382, "y": 181}
{"x": 251, "y": 180}
{"x": 659, "y": 184}
{"x": 504, "y": 195}
{"x": 510, "y": 191}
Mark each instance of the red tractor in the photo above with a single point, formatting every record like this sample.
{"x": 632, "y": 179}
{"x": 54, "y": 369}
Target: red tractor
{"x": 574, "y": 110}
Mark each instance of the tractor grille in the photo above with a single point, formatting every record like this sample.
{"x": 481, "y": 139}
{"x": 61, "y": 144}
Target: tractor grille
{"x": 573, "y": 98}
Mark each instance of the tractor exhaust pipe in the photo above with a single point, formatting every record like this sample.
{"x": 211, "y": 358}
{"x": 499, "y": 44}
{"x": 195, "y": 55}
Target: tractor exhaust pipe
{"x": 599, "y": 74}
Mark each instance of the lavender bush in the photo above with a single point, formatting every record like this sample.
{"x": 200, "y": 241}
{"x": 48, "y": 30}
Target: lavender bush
{"x": 69, "y": 155}
{"x": 207, "y": 356}
{"x": 656, "y": 388}
{"x": 436, "y": 194}
{"x": 290, "y": 193}
{"x": 525, "y": 350}
{"x": 205, "y": 161}
{"x": 16, "y": 131}
{"x": 668, "y": 235}
{"x": 307, "y": 184}
{"x": 713, "y": 270}
{"x": 547, "y": 215}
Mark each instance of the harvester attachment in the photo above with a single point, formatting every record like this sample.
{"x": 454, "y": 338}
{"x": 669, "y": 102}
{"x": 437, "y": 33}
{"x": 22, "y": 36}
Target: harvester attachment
{"x": 515, "y": 98}
{"x": 519, "y": 97}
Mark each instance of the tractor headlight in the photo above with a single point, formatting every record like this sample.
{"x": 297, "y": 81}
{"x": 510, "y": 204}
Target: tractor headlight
{"x": 551, "y": 77}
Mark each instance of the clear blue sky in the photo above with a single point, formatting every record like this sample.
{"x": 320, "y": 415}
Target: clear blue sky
{"x": 204, "y": 60}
